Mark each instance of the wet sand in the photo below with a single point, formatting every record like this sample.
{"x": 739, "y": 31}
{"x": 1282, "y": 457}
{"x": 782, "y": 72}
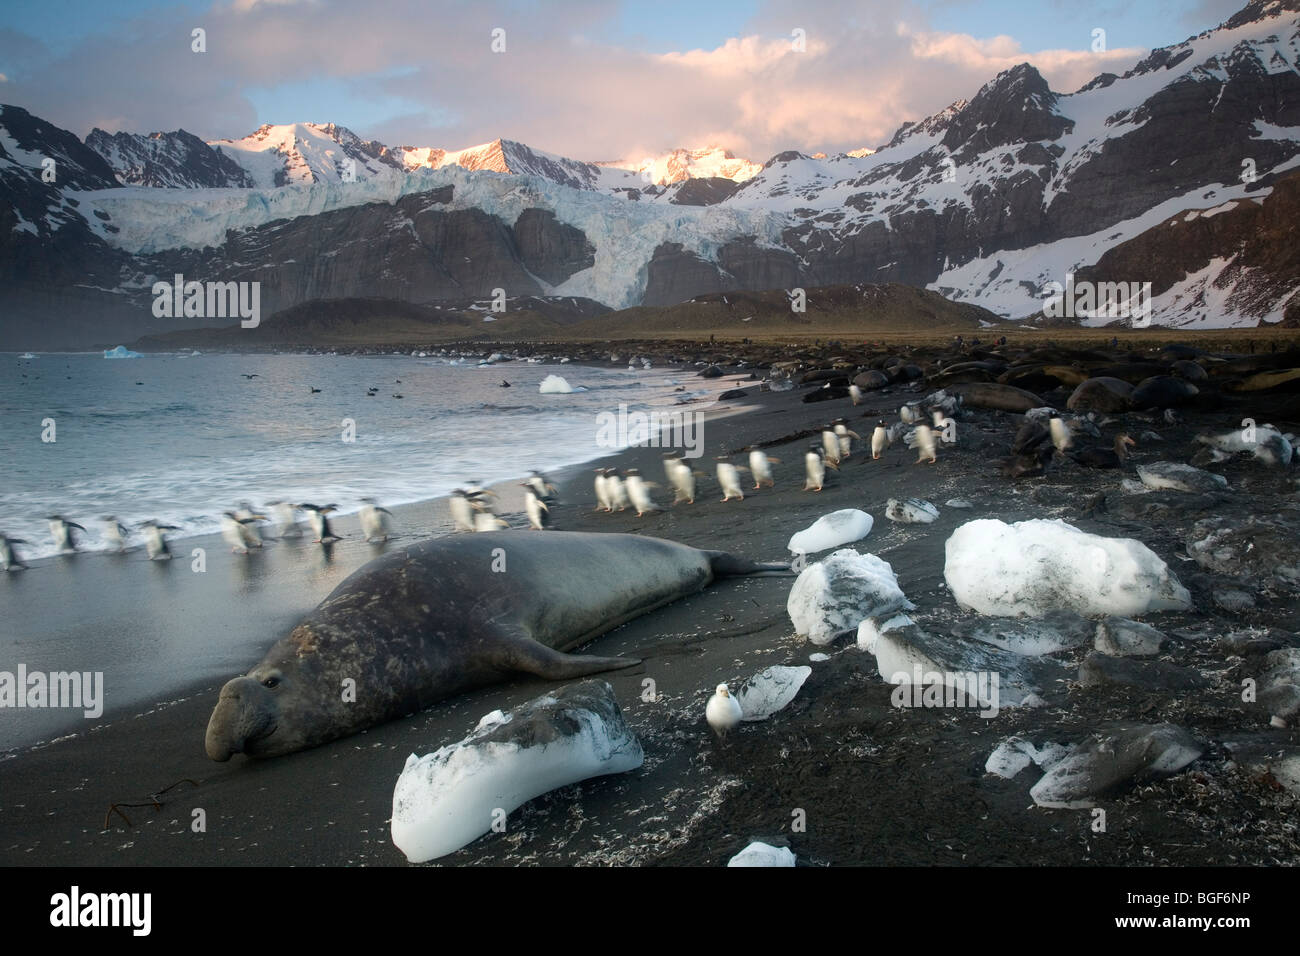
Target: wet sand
{"x": 876, "y": 785}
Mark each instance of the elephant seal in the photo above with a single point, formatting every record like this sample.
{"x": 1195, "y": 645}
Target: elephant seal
{"x": 1004, "y": 398}
{"x": 445, "y": 615}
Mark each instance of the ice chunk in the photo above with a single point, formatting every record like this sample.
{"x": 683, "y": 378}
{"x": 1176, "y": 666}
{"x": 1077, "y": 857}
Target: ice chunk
{"x": 1053, "y": 632}
{"x": 910, "y": 511}
{"x": 449, "y": 798}
{"x": 1114, "y": 760}
{"x": 1032, "y": 567}
{"x": 770, "y": 690}
{"x": 1120, "y": 637}
{"x": 835, "y": 594}
{"x": 831, "y": 531}
{"x": 555, "y": 385}
{"x": 1179, "y": 477}
{"x": 1016, "y": 753}
{"x": 869, "y": 631}
{"x": 121, "y": 352}
{"x": 762, "y": 854}
{"x": 1264, "y": 442}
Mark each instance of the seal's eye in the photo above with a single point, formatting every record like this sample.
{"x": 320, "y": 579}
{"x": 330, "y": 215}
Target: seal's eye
{"x": 271, "y": 682}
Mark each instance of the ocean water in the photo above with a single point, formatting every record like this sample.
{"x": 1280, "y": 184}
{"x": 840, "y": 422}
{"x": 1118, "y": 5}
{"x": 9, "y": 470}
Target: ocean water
{"x": 181, "y": 438}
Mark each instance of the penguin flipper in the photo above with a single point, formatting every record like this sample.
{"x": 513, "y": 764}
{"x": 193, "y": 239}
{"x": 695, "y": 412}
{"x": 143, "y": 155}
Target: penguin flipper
{"x": 523, "y": 653}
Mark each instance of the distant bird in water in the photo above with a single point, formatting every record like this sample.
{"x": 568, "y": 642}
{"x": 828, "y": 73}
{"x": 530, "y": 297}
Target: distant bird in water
{"x": 61, "y": 530}
{"x": 115, "y": 534}
{"x": 155, "y": 543}
{"x": 723, "y": 711}
{"x": 314, "y": 390}
{"x": 9, "y": 558}
{"x": 318, "y": 515}
{"x": 248, "y": 376}
{"x": 1105, "y": 457}
{"x": 505, "y": 384}
{"x": 373, "y": 522}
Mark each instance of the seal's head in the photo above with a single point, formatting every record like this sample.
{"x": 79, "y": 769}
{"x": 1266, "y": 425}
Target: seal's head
{"x": 247, "y": 716}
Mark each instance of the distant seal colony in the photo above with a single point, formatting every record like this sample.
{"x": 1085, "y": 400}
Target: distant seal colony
{"x": 427, "y": 621}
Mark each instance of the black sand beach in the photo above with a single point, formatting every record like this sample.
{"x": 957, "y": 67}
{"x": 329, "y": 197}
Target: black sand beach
{"x": 877, "y": 785}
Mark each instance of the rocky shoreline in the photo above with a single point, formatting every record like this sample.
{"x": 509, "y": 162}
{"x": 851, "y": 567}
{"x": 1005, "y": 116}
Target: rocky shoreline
{"x": 1178, "y": 724}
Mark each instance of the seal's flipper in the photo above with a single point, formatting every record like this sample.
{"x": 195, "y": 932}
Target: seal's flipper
{"x": 525, "y": 654}
{"x": 727, "y": 565}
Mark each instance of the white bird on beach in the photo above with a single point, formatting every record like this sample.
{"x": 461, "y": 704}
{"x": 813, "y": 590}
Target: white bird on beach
{"x": 831, "y": 446}
{"x": 682, "y": 477}
{"x": 760, "y": 466}
{"x": 815, "y": 465}
{"x": 374, "y": 520}
{"x": 240, "y": 533}
{"x": 855, "y": 394}
{"x": 925, "y": 445}
{"x": 879, "y": 439}
{"x": 155, "y": 543}
{"x": 729, "y": 479}
{"x": 115, "y": 534}
{"x": 638, "y": 491}
{"x": 536, "y": 509}
{"x": 61, "y": 530}
{"x": 723, "y": 711}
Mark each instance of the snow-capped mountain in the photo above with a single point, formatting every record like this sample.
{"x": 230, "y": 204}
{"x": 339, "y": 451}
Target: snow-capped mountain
{"x": 711, "y": 162}
{"x": 177, "y": 160}
{"x": 986, "y": 201}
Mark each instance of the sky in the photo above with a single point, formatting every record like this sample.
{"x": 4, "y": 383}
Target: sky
{"x": 589, "y": 79}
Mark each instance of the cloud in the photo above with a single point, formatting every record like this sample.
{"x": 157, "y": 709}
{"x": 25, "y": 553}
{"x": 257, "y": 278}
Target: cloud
{"x": 425, "y": 75}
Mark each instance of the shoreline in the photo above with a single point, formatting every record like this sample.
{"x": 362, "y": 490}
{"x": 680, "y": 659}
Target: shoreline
{"x": 881, "y": 786}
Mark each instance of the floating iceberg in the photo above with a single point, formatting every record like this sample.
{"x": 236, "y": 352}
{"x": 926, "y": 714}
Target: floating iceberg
{"x": 121, "y": 352}
{"x": 555, "y": 385}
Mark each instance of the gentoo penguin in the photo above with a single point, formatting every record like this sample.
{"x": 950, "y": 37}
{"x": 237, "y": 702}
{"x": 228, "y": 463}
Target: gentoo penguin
{"x": 9, "y": 558}
{"x": 374, "y": 524}
{"x": 545, "y": 490}
{"x": 604, "y": 495}
{"x": 760, "y": 466}
{"x": 925, "y": 450}
{"x": 879, "y": 439}
{"x": 286, "y": 525}
{"x": 536, "y": 509}
{"x": 240, "y": 533}
{"x": 682, "y": 477}
{"x": 155, "y": 544}
{"x": 831, "y": 446}
{"x": 723, "y": 711}
{"x": 855, "y": 394}
{"x": 1105, "y": 457}
{"x": 910, "y": 414}
{"x": 729, "y": 479}
{"x": 115, "y": 534}
{"x": 486, "y": 520}
{"x": 1060, "y": 432}
{"x": 61, "y": 529}
{"x": 846, "y": 436}
{"x": 638, "y": 492}
{"x": 320, "y": 523}
{"x": 815, "y": 464}
{"x": 462, "y": 515}
{"x": 617, "y": 491}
